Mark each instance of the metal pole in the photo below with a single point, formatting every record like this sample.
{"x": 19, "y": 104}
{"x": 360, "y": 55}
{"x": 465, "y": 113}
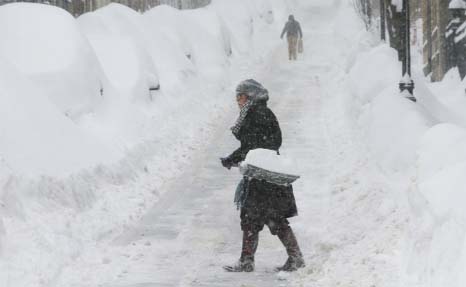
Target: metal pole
{"x": 403, "y": 39}
{"x": 382, "y": 20}
{"x": 428, "y": 35}
{"x": 406, "y": 83}
{"x": 408, "y": 38}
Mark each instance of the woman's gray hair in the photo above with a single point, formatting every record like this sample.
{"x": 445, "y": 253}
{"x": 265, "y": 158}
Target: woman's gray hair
{"x": 254, "y": 90}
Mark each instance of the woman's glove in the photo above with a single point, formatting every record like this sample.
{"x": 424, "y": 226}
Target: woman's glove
{"x": 227, "y": 162}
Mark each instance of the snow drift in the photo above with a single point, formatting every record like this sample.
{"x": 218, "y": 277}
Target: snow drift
{"x": 420, "y": 147}
{"x": 199, "y": 33}
{"x": 116, "y": 34}
{"x": 57, "y": 58}
{"x": 37, "y": 138}
{"x": 50, "y": 78}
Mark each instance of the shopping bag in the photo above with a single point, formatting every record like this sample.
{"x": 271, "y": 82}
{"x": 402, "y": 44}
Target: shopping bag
{"x": 300, "y": 45}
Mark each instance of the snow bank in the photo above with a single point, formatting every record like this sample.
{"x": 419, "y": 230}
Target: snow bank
{"x": 439, "y": 224}
{"x": 388, "y": 117}
{"x": 441, "y": 228}
{"x": 238, "y": 20}
{"x": 442, "y": 147}
{"x": 385, "y": 114}
{"x": 445, "y": 100}
{"x": 421, "y": 148}
{"x": 46, "y": 86}
{"x": 56, "y": 57}
{"x": 116, "y": 35}
{"x": 209, "y": 41}
{"x": 169, "y": 54}
{"x": 37, "y": 138}
{"x": 425, "y": 161}
{"x": 49, "y": 79}
{"x": 444, "y": 190}
{"x": 137, "y": 61}
{"x": 365, "y": 77}
{"x": 199, "y": 33}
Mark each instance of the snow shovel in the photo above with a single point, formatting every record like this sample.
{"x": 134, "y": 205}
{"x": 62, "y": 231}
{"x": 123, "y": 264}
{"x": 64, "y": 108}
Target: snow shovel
{"x": 256, "y": 172}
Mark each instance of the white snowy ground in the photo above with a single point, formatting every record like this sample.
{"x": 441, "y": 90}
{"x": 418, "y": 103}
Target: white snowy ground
{"x": 350, "y": 225}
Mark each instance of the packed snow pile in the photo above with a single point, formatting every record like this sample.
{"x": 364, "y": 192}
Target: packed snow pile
{"x": 49, "y": 50}
{"x": 37, "y": 138}
{"x": 271, "y": 160}
{"x": 50, "y": 78}
{"x": 267, "y": 165}
{"x": 365, "y": 77}
{"x": 378, "y": 101}
{"x": 393, "y": 139}
{"x": 439, "y": 209}
{"x": 237, "y": 19}
{"x": 445, "y": 100}
{"x": 116, "y": 35}
{"x": 199, "y": 33}
{"x": 421, "y": 148}
{"x": 168, "y": 45}
{"x": 441, "y": 169}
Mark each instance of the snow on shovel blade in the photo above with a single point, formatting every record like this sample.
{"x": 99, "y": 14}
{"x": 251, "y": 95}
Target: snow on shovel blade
{"x": 267, "y": 175}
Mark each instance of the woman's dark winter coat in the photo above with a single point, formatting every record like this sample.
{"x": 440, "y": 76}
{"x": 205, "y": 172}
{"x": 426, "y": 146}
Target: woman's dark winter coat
{"x": 265, "y": 201}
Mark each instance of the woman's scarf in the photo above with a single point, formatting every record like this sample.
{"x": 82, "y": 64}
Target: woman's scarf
{"x": 242, "y": 115}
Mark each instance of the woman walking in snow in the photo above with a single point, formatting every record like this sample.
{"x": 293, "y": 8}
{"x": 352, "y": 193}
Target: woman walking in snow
{"x": 294, "y": 34}
{"x": 261, "y": 203}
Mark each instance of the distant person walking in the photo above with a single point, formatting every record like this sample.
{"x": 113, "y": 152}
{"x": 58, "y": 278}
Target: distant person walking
{"x": 293, "y": 34}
